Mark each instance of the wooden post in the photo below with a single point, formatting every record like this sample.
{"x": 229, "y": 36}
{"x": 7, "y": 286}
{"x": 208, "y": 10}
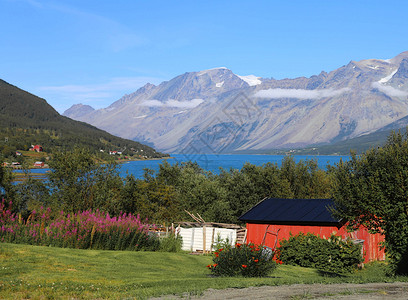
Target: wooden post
{"x": 245, "y": 236}
{"x": 212, "y": 239}
{"x": 192, "y": 239}
{"x": 204, "y": 238}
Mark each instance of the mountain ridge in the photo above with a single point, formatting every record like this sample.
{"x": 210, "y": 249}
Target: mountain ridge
{"x": 356, "y": 99}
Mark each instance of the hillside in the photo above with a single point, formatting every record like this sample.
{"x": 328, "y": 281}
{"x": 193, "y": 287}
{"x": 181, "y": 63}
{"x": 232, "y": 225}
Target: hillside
{"x": 26, "y": 120}
{"x": 217, "y": 111}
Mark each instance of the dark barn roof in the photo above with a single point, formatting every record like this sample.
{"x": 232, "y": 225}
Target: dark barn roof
{"x": 292, "y": 211}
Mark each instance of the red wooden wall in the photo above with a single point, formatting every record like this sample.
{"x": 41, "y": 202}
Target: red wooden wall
{"x": 371, "y": 249}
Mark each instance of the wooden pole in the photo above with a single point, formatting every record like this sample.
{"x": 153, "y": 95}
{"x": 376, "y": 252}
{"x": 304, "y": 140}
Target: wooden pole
{"x": 204, "y": 238}
{"x": 201, "y": 219}
{"x": 212, "y": 239}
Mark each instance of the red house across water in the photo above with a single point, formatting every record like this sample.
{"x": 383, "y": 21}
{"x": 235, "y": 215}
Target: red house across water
{"x": 274, "y": 219}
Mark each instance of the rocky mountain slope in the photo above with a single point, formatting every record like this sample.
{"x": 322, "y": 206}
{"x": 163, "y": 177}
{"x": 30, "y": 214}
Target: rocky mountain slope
{"x": 215, "y": 110}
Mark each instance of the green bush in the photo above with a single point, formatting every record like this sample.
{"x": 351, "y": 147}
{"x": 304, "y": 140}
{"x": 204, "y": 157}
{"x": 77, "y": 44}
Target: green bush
{"x": 248, "y": 260}
{"x": 329, "y": 255}
{"x": 171, "y": 243}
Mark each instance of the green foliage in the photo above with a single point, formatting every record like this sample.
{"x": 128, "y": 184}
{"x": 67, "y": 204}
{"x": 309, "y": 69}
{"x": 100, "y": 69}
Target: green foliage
{"x": 329, "y": 255}
{"x": 6, "y": 177}
{"x": 78, "y": 183}
{"x": 198, "y": 191}
{"x": 31, "y": 194}
{"x": 247, "y": 260}
{"x": 225, "y": 197}
{"x": 171, "y": 243}
{"x": 372, "y": 190}
{"x": 151, "y": 199}
{"x": 221, "y": 243}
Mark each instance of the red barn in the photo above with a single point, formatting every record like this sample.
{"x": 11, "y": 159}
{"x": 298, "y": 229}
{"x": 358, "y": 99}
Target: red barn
{"x": 274, "y": 219}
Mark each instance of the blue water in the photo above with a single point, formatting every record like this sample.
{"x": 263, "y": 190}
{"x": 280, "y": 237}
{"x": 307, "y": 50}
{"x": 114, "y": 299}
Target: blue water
{"x": 213, "y": 162}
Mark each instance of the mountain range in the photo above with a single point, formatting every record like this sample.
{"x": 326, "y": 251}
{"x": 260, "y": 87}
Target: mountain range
{"x": 217, "y": 111}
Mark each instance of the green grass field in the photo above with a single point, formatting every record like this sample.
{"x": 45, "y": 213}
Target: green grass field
{"x": 53, "y": 273}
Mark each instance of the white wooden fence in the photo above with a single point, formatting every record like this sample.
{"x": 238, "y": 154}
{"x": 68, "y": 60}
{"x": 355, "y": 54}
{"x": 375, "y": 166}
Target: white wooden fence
{"x": 202, "y": 238}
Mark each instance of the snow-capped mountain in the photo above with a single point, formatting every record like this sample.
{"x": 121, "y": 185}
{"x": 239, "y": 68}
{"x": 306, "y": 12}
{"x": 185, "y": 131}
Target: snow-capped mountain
{"x": 216, "y": 110}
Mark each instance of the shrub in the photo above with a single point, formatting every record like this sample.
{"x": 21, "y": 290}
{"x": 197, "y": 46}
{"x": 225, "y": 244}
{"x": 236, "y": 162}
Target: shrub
{"x": 330, "y": 255}
{"x": 171, "y": 243}
{"x": 248, "y": 260}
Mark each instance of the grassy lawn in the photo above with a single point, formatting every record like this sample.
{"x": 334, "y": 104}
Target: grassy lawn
{"x": 48, "y": 273}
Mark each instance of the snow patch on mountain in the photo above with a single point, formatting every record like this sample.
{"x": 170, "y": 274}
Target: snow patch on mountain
{"x": 251, "y": 79}
{"x": 140, "y": 117}
{"x": 387, "y": 78}
{"x": 219, "y": 84}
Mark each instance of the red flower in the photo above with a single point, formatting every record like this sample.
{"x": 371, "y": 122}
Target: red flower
{"x": 237, "y": 245}
{"x": 244, "y": 266}
{"x": 256, "y": 260}
{"x": 215, "y": 265}
{"x": 220, "y": 249}
{"x": 216, "y": 254}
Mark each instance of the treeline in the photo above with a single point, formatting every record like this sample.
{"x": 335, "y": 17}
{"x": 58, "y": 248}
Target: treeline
{"x": 76, "y": 182}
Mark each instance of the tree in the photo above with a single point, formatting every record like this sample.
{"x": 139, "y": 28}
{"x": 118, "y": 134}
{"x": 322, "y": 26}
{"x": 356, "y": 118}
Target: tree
{"x": 372, "y": 190}
{"x": 6, "y": 178}
{"x": 78, "y": 182}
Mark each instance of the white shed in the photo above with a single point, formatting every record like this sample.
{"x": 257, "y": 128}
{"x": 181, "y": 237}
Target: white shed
{"x": 200, "y": 237}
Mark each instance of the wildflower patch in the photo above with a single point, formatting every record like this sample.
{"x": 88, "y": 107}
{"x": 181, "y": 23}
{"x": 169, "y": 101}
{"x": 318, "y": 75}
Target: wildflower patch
{"x": 82, "y": 230}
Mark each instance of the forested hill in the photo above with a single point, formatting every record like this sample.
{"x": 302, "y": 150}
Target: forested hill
{"x": 26, "y": 119}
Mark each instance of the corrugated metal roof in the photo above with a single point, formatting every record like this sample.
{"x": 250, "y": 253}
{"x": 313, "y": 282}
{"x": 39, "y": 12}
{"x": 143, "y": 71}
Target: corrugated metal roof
{"x": 295, "y": 211}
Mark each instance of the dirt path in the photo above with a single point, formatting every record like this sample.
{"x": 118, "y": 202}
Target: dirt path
{"x": 370, "y": 291}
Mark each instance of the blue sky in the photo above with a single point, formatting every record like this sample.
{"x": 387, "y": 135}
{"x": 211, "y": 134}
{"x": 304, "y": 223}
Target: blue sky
{"x": 94, "y": 52}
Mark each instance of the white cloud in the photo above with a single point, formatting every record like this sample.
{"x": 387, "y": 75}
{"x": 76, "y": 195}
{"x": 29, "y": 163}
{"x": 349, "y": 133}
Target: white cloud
{"x": 184, "y": 104}
{"x": 300, "y": 93}
{"x": 152, "y": 103}
{"x": 173, "y": 103}
{"x": 389, "y": 90}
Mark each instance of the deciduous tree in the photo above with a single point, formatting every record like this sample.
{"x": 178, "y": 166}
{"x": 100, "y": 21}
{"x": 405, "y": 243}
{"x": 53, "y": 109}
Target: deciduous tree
{"x": 372, "y": 190}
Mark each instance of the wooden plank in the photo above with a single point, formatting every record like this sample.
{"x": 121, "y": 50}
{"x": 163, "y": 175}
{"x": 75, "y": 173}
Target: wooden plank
{"x": 212, "y": 239}
{"x": 204, "y": 238}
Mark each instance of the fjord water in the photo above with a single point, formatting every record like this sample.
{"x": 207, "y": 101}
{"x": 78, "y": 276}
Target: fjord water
{"x": 213, "y": 162}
